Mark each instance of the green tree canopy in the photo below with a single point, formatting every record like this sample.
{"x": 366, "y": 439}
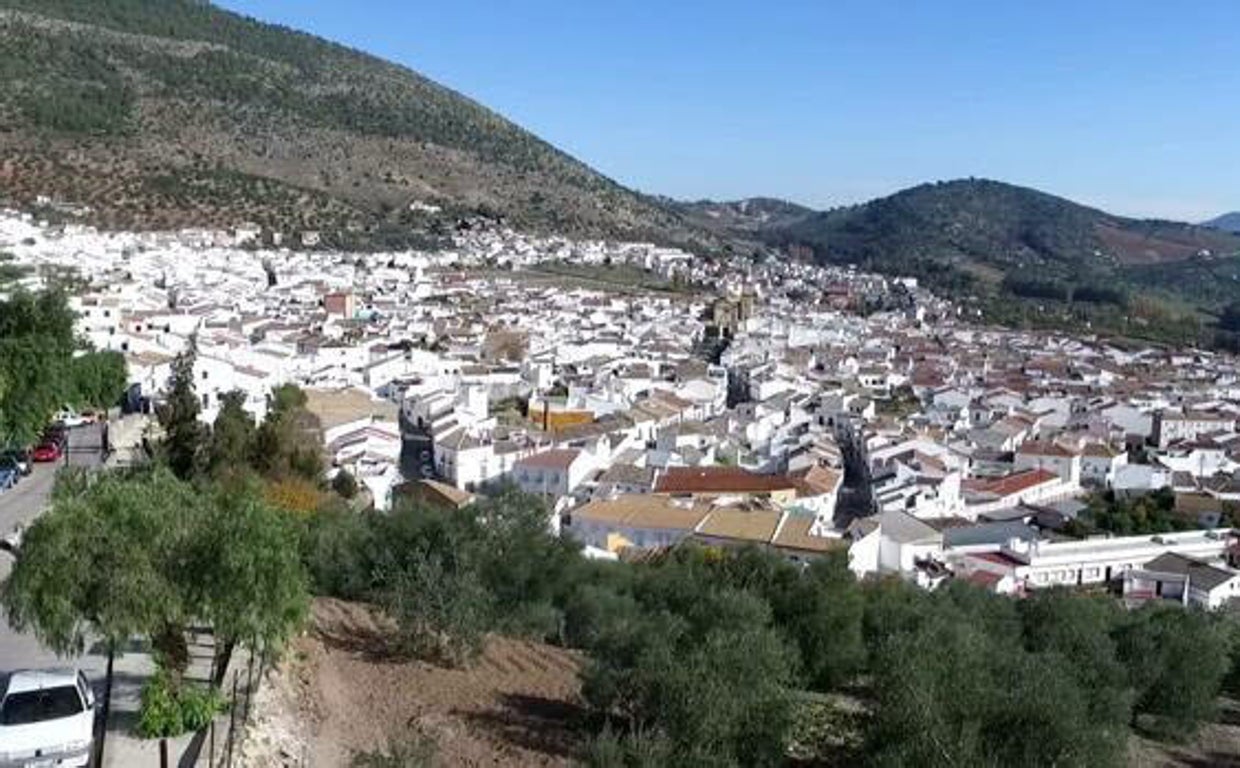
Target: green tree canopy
{"x": 102, "y": 563}
{"x": 289, "y": 439}
{"x": 184, "y": 447}
{"x": 233, "y": 437}
{"x": 97, "y": 379}
{"x": 144, "y": 553}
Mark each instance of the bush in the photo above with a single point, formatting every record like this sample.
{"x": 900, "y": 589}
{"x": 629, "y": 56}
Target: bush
{"x": 345, "y": 484}
{"x": 418, "y": 752}
{"x": 169, "y": 711}
{"x": 631, "y": 750}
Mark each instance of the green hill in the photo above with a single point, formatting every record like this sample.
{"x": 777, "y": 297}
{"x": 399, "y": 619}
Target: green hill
{"x": 160, "y": 113}
{"x": 976, "y": 233}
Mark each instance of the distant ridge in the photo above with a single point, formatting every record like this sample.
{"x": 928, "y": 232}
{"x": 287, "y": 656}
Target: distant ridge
{"x": 970, "y": 230}
{"x": 743, "y": 217}
{"x": 1229, "y": 222}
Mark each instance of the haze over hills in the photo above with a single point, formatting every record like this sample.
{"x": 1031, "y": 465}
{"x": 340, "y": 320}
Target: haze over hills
{"x": 163, "y": 113}
{"x": 1229, "y": 222}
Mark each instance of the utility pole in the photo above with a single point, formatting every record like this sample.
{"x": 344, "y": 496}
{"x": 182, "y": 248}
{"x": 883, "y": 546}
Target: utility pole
{"x": 107, "y": 705}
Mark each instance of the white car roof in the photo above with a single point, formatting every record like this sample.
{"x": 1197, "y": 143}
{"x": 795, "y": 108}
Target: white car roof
{"x": 36, "y": 679}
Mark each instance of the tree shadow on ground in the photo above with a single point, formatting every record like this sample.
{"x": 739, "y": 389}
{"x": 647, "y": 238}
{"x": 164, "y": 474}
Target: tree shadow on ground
{"x": 548, "y": 726}
{"x": 374, "y": 645}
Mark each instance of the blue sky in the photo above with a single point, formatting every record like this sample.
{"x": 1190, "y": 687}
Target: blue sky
{"x": 1131, "y": 105}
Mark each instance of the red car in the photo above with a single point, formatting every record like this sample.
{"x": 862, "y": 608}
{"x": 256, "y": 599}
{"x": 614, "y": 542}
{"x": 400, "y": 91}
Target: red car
{"x": 49, "y": 450}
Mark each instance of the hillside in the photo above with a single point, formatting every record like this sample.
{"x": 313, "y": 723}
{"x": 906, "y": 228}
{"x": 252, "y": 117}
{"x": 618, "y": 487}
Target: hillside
{"x": 969, "y": 230}
{"x": 167, "y": 113}
{"x": 742, "y": 218}
{"x": 1228, "y": 222}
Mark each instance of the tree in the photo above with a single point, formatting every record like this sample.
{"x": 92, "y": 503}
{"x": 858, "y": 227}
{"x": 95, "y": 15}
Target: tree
{"x": 951, "y": 694}
{"x": 288, "y": 440}
{"x": 819, "y": 608}
{"x": 185, "y": 437}
{"x": 1078, "y": 629}
{"x": 97, "y": 564}
{"x": 143, "y": 553}
{"x": 828, "y": 625}
{"x": 34, "y": 388}
{"x": 97, "y": 379}
{"x": 522, "y": 565}
{"x": 714, "y": 686}
{"x": 345, "y": 484}
{"x": 1177, "y": 660}
{"x": 36, "y": 346}
{"x": 252, "y": 585}
{"x": 233, "y": 437}
{"x": 428, "y": 579}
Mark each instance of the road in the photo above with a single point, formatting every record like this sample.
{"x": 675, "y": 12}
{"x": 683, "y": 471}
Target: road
{"x": 19, "y": 506}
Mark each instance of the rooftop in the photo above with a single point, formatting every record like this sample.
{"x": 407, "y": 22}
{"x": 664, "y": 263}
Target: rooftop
{"x": 720, "y": 480}
{"x": 556, "y": 458}
{"x": 1199, "y": 572}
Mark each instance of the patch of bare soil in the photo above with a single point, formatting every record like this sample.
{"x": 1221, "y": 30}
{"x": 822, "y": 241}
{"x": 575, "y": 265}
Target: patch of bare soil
{"x": 1216, "y": 745}
{"x": 342, "y": 690}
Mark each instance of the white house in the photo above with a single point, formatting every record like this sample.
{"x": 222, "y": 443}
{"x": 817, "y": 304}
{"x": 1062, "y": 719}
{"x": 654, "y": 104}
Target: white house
{"x": 1173, "y": 426}
{"x": 1051, "y": 457}
{"x": 635, "y": 520}
{"x": 896, "y": 544}
{"x": 369, "y": 449}
{"x": 1098, "y": 561}
{"x": 1100, "y": 463}
{"x": 1182, "y": 579}
{"x": 556, "y": 472}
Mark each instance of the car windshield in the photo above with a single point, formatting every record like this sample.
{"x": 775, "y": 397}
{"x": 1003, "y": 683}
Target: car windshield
{"x": 37, "y": 706}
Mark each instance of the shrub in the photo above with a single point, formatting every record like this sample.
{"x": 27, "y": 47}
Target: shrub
{"x": 417, "y": 752}
{"x": 345, "y": 484}
{"x": 169, "y": 711}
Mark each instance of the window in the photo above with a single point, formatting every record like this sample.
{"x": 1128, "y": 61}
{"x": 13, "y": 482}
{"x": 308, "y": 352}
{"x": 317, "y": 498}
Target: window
{"x": 84, "y": 689}
{"x": 41, "y": 705}
{"x": 206, "y": 400}
{"x": 204, "y": 375}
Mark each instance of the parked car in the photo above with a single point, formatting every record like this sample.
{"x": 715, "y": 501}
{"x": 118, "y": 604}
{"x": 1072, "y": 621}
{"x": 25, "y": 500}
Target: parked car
{"x": 47, "y": 718}
{"x": 56, "y": 434}
{"x": 48, "y": 450}
{"x": 20, "y": 457}
{"x": 71, "y": 418}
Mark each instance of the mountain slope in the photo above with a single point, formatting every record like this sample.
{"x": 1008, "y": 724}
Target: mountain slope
{"x": 989, "y": 229}
{"x": 173, "y": 112}
{"x": 742, "y": 218}
{"x": 1228, "y": 222}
